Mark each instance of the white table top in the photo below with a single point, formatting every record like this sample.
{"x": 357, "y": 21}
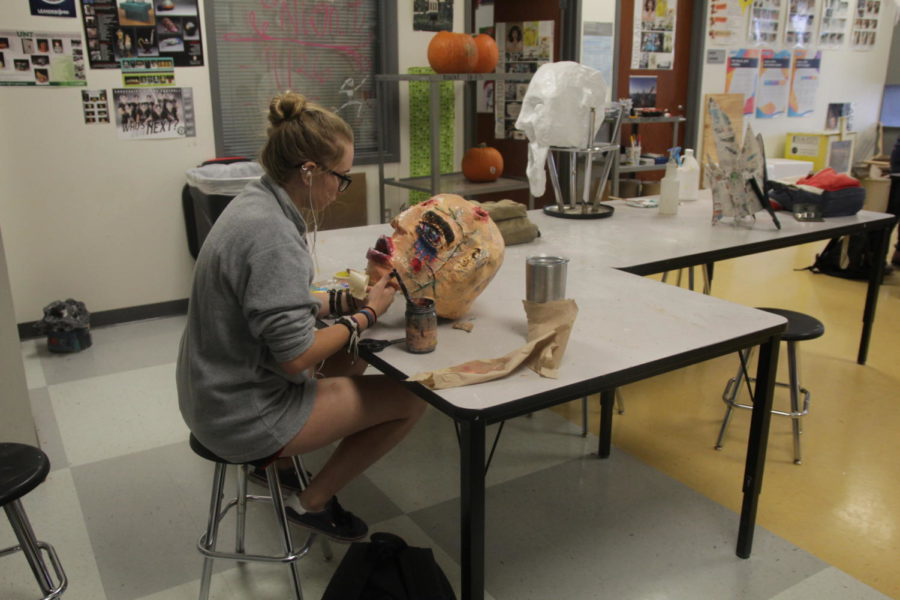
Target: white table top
{"x": 624, "y": 321}
{"x": 641, "y": 236}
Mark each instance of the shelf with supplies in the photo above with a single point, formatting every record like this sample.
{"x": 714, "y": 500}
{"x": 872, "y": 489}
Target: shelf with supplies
{"x": 438, "y": 182}
{"x": 619, "y": 168}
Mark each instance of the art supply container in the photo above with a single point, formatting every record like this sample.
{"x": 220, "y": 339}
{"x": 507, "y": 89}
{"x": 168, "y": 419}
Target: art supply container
{"x": 545, "y": 278}
{"x": 633, "y": 155}
{"x": 421, "y": 326}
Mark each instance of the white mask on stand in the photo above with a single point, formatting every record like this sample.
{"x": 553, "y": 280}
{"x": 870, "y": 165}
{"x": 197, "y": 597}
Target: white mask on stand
{"x": 556, "y": 112}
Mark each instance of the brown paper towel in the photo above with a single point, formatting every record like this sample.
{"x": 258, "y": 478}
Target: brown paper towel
{"x": 549, "y": 326}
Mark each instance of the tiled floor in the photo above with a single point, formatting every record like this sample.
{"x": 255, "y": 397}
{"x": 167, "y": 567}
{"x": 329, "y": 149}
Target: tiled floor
{"x": 126, "y": 498}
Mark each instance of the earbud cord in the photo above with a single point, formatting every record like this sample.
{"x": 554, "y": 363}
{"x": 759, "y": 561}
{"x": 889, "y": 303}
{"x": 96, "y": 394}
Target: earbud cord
{"x": 315, "y": 229}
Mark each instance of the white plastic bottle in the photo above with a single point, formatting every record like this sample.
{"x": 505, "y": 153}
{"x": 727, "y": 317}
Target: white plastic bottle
{"x": 688, "y": 177}
{"x": 668, "y": 189}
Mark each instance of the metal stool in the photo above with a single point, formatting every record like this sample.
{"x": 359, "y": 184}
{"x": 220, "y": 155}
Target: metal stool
{"x": 800, "y": 327}
{"x": 207, "y": 542}
{"x": 23, "y": 468}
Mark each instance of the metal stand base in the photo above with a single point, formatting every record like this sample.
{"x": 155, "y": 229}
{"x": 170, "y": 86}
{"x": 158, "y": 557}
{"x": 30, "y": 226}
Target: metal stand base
{"x": 580, "y": 211}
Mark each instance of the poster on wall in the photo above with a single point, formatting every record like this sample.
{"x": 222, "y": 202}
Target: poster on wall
{"x": 865, "y": 24}
{"x": 41, "y": 58}
{"x": 837, "y": 111}
{"x": 725, "y": 27}
{"x": 524, "y": 46}
{"x": 833, "y": 23}
{"x": 154, "y": 113}
{"x": 741, "y": 72}
{"x": 484, "y": 91}
{"x": 53, "y": 8}
{"x": 764, "y": 23}
{"x": 805, "y": 71}
{"x": 653, "y": 42}
{"x": 95, "y": 106}
{"x": 800, "y": 23}
{"x": 774, "y": 75}
{"x": 433, "y": 15}
{"x": 597, "y": 48}
{"x": 124, "y": 29}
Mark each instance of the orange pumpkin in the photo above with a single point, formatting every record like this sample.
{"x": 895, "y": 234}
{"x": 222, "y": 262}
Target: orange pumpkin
{"x": 488, "y": 55}
{"x": 482, "y": 163}
{"x": 452, "y": 52}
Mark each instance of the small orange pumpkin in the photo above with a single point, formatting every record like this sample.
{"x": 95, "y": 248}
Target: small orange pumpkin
{"x": 488, "y": 55}
{"x": 482, "y": 163}
{"x": 452, "y": 52}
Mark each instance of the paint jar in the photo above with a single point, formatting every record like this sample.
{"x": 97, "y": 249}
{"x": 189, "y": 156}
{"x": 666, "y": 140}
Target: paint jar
{"x": 421, "y": 326}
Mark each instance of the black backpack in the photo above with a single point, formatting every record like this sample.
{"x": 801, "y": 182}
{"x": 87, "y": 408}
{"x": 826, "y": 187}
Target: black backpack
{"x": 848, "y": 256}
{"x": 388, "y": 569}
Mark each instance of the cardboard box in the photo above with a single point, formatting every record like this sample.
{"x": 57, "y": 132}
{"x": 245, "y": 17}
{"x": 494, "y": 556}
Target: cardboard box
{"x": 827, "y": 149}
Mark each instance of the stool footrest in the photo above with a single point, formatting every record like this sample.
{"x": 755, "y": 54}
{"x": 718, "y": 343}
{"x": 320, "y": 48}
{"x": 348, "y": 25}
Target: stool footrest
{"x": 727, "y": 395}
{"x": 63, "y": 581}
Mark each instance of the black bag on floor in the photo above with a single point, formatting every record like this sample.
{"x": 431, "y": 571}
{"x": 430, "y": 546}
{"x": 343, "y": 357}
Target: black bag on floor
{"x": 848, "y": 256}
{"x": 388, "y": 569}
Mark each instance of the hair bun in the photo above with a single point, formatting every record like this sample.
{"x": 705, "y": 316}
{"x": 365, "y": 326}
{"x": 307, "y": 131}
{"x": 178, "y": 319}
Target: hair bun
{"x": 286, "y": 107}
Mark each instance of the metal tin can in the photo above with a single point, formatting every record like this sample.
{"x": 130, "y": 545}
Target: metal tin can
{"x": 421, "y": 326}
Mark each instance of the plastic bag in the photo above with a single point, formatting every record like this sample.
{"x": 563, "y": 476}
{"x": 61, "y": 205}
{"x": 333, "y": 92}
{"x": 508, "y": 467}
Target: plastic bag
{"x": 223, "y": 179}
{"x": 64, "y": 315}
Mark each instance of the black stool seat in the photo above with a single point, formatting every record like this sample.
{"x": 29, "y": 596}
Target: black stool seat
{"x": 22, "y": 468}
{"x": 204, "y": 452}
{"x": 800, "y": 326}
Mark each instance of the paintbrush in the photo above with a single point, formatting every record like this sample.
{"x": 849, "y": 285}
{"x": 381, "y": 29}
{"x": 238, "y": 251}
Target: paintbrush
{"x": 403, "y": 289}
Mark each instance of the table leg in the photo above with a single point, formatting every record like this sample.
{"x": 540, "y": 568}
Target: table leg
{"x": 766, "y": 369}
{"x": 881, "y": 239}
{"x": 607, "y": 400}
{"x": 471, "y": 481}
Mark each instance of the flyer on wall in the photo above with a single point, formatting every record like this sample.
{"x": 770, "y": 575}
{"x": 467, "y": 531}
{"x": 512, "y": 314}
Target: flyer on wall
{"x": 120, "y": 29}
{"x": 95, "y": 106}
{"x": 833, "y": 23}
{"x": 800, "y": 23}
{"x": 653, "y": 44}
{"x": 805, "y": 72}
{"x": 524, "y": 46}
{"x": 147, "y": 71}
{"x": 774, "y": 74}
{"x": 741, "y": 72}
{"x": 41, "y": 58}
{"x": 865, "y": 24}
{"x": 765, "y": 22}
{"x": 725, "y": 23}
{"x": 154, "y": 113}
{"x": 53, "y": 8}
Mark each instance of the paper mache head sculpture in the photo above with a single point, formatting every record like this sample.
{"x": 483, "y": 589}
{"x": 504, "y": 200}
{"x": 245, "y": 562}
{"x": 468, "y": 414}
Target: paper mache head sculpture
{"x": 730, "y": 180}
{"x": 445, "y": 248}
{"x": 556, "y": 112}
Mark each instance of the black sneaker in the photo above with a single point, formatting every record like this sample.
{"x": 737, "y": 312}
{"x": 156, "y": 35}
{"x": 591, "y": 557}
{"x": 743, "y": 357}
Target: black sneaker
{"x": 287, "y": 477}
{"x": 335, "y": 522}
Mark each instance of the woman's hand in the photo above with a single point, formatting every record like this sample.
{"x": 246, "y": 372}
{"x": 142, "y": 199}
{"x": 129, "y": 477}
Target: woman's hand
{"x": 381, "y": 295}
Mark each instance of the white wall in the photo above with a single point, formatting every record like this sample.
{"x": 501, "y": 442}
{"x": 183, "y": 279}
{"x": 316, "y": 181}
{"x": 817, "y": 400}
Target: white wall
{"x": 88, "y": 216}
{"x": 847, "y": 75}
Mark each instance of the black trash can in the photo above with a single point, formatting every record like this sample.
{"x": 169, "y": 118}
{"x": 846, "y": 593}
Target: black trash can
{"x": 209, "y": 189}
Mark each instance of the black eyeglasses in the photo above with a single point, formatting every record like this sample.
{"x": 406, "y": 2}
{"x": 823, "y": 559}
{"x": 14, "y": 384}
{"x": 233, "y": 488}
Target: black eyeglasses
{"x": 345, "y": 180}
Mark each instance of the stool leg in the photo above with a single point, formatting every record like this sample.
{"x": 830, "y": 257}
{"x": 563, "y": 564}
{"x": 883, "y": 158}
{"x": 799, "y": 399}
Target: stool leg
{"x": 584, "y": 416}
{"x": 729, "y": 396}
{"x": 241, "y": 510}
{"x": 21, "y": 526}
{"x": 794, "y": 375}
{"x": 281, "y": 518}
{"x": 212, "y": 527}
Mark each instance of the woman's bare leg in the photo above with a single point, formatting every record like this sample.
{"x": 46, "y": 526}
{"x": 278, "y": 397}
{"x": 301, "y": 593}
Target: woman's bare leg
{"x": 369, "y": 414}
